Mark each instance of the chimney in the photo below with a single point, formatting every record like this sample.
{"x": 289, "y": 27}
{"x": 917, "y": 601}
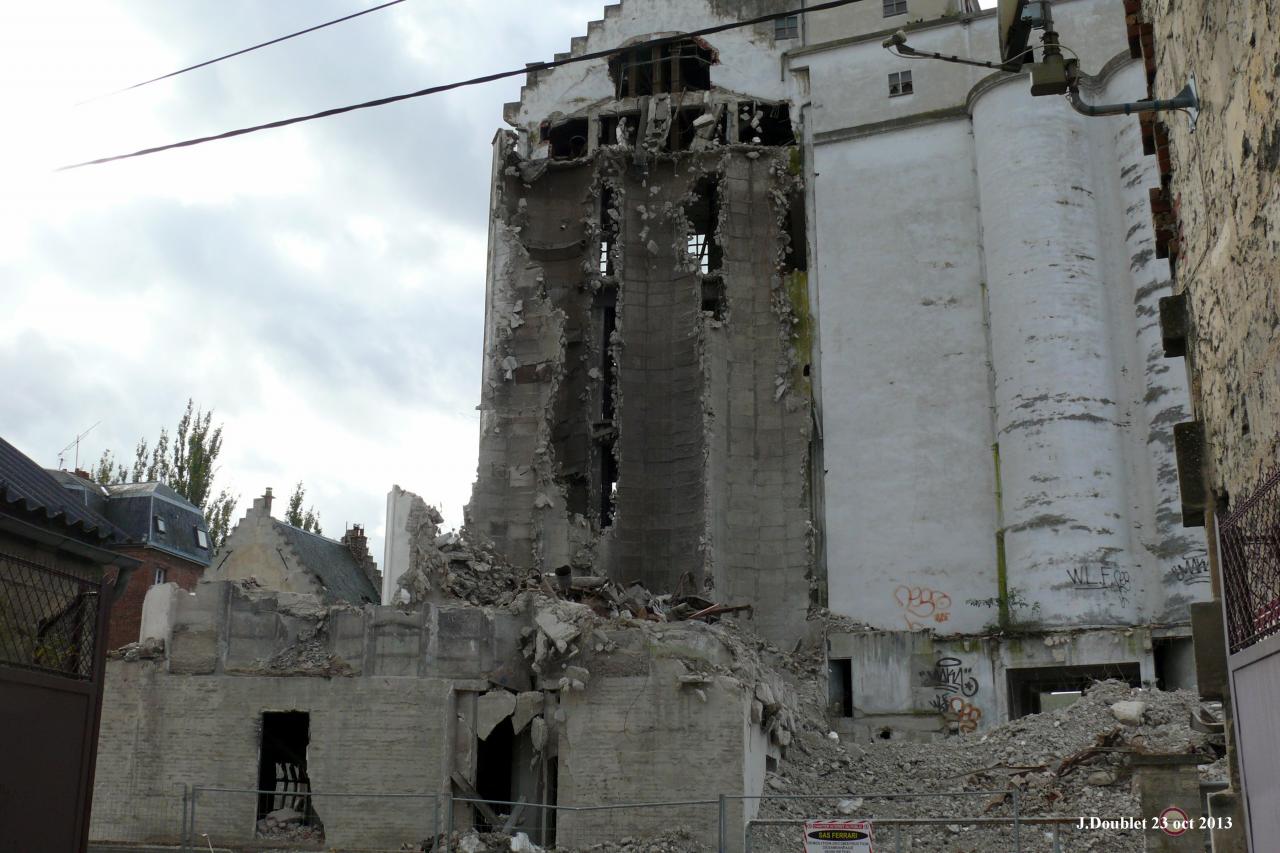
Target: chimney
{"x": 83, "y": 475}
{"x": 358, "y": 545}
{"x": 262, "y": 505}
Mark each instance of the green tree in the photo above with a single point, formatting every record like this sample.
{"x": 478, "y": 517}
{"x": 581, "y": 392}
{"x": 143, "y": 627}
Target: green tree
{"x": 187, "y": 463}
{"x": 307, "y": 519}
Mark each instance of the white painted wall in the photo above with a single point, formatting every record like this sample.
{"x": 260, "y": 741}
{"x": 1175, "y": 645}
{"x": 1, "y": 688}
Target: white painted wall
{"x": 910, "y": 486}
{"x": 1048, "y": 210}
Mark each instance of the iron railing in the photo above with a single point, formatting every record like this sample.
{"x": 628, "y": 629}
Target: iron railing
{"x": 48, "y": 619}
{"x": 1250, "y": 548}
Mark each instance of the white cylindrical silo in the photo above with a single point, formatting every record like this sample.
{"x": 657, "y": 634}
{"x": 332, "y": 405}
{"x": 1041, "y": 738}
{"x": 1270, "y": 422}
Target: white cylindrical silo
{"x": 1059, "y": 425}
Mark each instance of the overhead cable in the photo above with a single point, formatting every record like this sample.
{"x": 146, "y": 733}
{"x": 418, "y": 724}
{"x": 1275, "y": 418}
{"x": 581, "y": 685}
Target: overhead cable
{"x": 488, "y": 78}
{"x": 245, "y": 50}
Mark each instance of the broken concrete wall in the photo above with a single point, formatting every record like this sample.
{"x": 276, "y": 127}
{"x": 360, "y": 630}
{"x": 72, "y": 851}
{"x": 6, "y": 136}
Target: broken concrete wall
{"x": 403, "y": 701}
{"x": 161, "y": 731}
{"x": 662, "y": 705}
{"x": 916, "y": 686}
{"x": 623, "y": 374}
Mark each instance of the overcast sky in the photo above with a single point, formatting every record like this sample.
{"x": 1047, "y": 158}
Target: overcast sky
{"x": 319, "y": 286}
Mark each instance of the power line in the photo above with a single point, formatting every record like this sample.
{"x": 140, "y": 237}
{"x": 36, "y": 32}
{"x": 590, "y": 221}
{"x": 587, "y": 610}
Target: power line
{"x": 245, "y": 50}
{"x": 488, "y": 78}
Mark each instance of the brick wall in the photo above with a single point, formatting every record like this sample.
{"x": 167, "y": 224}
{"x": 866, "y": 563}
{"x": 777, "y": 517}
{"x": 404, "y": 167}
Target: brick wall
{"x": 126, "y": 612}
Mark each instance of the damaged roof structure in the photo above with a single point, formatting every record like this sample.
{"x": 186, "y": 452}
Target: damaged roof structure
{"x": 784, "y": 359}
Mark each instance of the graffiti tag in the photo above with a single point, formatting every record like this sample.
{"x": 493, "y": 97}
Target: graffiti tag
{"x": 958, "y": 712}
{"x": 1102, "y": 577}
{"x": 950, "y": 676}
{"x": 920, "y": 605}
{"x": 1192, "y": 570}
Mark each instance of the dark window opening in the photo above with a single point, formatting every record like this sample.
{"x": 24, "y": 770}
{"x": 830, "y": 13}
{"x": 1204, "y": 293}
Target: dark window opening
{"x": 608, "y": 231}
{"x": 787, "y": 28}
{"x": 1244, "y": 417}
{"x": 1041, "y": 689}
{"x": 900, "y": 84}
{"x": 885, "y": 734}
{"x": 568, "y": 139}
{"x": 285, "y": 809}
{"x": 796, "y": 257}
{"x": 895, "y": 7}
{"x": 765, "y": 124}
{"x": 703, "y": 214}
{"x": 713, "y": 301}
{"x": 605, "y": 434}
{"x": 495, "y": 760}
{"x": 1175, "y": 664}
{"x": 577, "y": 494}
{"x": 682, "y": 66}
{"x": 840, "y": 687}
{"x": 696, "y": 129}
{"x": 608, "y": 485}
{"x": 619, "y": 129}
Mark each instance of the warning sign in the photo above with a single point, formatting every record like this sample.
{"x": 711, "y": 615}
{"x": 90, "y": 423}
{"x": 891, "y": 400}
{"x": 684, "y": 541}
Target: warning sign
{"x": 838, "y": 836}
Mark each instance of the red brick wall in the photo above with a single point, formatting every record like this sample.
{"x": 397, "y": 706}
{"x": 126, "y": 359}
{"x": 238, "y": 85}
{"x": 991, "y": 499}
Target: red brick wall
{"x": 126, "y": 614}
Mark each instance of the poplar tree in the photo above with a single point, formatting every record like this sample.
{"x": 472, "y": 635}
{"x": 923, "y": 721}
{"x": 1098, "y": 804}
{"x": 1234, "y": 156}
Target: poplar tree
{"x": 186, "y": 462}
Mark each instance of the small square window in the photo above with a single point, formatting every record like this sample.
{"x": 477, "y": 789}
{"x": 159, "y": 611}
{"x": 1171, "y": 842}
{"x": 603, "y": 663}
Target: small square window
{"x": 161, "y": 527}
{"x": 900, "y": 84}
{"x": 202, "y": 539}
{"x": 787, "y": 28}
{"x": 895, "y": 7}
{"x": 159, "y": 578}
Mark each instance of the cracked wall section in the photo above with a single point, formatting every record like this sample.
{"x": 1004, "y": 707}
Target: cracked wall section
{"x": 645, "y": 416}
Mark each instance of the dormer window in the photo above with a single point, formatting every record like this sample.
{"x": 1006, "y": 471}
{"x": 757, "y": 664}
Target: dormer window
{"x": 161, "y": 527}
{"x": 202, "y": 539}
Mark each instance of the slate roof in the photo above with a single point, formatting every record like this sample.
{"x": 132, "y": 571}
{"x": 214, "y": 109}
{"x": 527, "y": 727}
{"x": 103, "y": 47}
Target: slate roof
{"x": 331, "y": 562}
{"x": 29, "y": 487}
{"x": 133, "y": 507}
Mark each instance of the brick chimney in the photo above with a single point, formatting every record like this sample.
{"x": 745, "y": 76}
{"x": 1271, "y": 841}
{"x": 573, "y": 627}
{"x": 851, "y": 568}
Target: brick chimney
{"x": 262, "y": 505}
{"x": 358, "y": 545}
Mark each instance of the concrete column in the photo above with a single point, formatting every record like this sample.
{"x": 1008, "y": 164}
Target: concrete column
{"x": 1169, "y": 790}
{"x": 1173, "y": 558}
{"x": 1058, "y": 423}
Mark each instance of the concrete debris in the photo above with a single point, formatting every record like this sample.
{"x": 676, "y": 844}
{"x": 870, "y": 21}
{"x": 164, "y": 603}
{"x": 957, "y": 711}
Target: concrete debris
{"x": 288, "y": 824}
{"x": 671, "y": 841}
{"x": 520, "y": 843}
{"x": 1070, "y": 761}
{"x": 492, "y": 708}
{"x": 1129, "y": 713}
{"x": 528, "y": 706}
{"x": 149, "y": 649}
{"x": 457, "y": 566}
{"x": 538, "y": 733}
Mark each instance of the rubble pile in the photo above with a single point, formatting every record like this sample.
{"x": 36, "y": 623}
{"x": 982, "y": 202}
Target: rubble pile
{"x": 458, "y": 565}
{"x": 671, "y": 841}
{"x": 1072, "y": 761}
{"x": 288, "y": 824}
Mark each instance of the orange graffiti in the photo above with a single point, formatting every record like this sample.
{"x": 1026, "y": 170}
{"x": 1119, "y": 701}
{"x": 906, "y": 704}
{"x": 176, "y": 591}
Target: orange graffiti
{"x": 920, "y": 604}
{"x": 965, "y": 715}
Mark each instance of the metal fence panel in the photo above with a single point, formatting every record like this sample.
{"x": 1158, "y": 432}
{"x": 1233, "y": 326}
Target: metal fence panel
{"x": 1250, "y": 546}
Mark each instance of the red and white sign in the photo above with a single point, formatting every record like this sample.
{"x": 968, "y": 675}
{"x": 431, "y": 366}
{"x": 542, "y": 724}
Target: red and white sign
{"x": 838, "y": 836}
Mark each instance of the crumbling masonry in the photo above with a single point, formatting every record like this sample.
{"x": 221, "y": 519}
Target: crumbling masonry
{"x": 646, "y": 409}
